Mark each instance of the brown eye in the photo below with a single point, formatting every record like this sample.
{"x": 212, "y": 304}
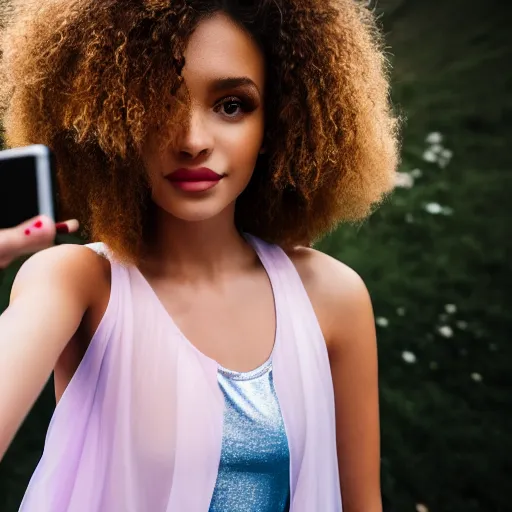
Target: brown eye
{"x": 234, "y": 107}
{"x": 231, "y": 107}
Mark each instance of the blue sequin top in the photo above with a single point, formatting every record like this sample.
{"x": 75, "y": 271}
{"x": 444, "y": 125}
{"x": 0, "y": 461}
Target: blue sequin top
{"x": 254, "y": 469}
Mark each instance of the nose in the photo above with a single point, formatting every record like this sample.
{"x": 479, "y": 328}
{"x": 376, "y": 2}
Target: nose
{"x": 196, "y": 138}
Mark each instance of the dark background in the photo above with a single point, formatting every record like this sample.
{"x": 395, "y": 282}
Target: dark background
{"x": 434, "y": 258}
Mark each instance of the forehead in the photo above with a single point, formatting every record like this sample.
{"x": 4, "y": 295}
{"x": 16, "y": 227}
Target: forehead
{"x": 219, "y": 48}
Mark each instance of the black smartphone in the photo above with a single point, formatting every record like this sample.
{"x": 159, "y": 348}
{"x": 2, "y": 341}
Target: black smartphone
{"x": 27, "y": 184}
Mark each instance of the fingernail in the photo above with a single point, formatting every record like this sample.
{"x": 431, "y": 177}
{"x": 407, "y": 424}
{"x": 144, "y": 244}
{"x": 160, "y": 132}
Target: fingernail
{"x": 62, "y": 228}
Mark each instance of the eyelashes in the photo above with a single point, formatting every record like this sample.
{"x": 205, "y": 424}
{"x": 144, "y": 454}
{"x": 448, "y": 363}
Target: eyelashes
{"x": 235, "y": 106}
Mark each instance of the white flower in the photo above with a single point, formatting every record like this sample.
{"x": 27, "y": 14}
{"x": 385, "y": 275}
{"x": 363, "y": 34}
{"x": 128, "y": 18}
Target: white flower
{"x": 444, "y": 158}
{"x": 450, "y": 308}
{"x": 381, "y": 321}
{"x": 416, "y": 173}
{"x": 437, "y": 149}
{"x": 408, "y": 357}
{"x": 433, "y": 208}
{"x": 476, "y": 377}
{"x": 421, "y": 508}
{"x": 434, "y": 138}
{"x": 462, "y": 325}
{"x": 429, "y": 156}
{"x": 446, "y": 331}
{"x": 446, "y": 154}
{"x": 403, "y": 180}
{"x": 409, "y": 218}
{"x": 400, "y": 311}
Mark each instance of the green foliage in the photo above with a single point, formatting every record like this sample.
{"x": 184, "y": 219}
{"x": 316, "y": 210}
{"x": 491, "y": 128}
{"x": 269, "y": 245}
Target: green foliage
{"x": 445, "y": 434}
{"x": 444, "y": 377}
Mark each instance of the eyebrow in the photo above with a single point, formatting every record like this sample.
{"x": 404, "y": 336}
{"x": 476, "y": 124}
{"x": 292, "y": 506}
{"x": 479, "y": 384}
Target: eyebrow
{"x": 223, "y": 84}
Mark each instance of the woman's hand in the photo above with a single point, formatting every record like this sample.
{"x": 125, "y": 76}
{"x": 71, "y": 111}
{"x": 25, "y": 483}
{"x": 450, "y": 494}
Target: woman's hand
{"x": 31, "y": 236}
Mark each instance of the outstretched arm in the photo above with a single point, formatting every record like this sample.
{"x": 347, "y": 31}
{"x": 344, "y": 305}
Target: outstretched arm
{"x": 51, "y": 293}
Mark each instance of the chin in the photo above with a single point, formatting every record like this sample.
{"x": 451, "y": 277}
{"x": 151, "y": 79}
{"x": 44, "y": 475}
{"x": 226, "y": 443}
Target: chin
{"x": 199, "y": 211}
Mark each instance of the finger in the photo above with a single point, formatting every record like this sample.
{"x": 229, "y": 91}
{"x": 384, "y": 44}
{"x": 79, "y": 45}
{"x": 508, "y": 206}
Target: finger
{"x": 69, "y": 226}
{"x": 31, "y": 236}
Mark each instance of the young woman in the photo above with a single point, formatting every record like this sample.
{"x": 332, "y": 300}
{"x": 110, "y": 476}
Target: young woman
{"x": 205, "y": 358}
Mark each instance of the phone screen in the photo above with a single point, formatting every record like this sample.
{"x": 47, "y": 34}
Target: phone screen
{"x": 26, "y": 187}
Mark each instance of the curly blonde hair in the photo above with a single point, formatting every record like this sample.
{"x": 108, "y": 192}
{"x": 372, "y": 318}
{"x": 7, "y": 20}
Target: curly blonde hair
{"x": 89, "y": 79}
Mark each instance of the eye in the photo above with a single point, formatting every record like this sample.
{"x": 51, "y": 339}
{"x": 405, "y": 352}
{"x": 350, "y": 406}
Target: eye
{"x": 230, "y": 107}
{"x": 234, "y": 107}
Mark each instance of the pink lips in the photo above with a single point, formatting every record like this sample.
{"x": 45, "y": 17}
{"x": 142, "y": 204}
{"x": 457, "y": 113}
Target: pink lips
{"x": 194, "y": 180}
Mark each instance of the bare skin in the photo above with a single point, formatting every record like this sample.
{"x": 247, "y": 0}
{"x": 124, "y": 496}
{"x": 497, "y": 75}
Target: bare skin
{"x": 31, "y": 236}
{"x": 204, "y": 273}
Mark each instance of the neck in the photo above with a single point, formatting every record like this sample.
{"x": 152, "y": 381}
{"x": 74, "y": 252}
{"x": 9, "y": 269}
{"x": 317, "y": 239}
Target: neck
{"x": 196, "y": 249}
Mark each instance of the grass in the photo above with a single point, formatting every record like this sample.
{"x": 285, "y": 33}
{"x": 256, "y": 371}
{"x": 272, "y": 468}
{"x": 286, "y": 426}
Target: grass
{"x": 445, "y": 434}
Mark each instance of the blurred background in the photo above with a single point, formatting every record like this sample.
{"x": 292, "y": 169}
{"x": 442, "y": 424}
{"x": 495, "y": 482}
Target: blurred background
{"x": 436, "y": 259}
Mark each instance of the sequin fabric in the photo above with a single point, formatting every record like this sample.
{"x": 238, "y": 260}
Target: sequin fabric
{"x": 254, "y": 466}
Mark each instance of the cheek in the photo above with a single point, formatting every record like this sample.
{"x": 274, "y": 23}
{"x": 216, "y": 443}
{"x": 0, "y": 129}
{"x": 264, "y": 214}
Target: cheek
{"x": 244, "y": 143}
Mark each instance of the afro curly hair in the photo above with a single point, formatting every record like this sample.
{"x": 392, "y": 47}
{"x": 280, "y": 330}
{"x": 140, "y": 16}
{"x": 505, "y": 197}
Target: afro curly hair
{"x": 89, "y": 79}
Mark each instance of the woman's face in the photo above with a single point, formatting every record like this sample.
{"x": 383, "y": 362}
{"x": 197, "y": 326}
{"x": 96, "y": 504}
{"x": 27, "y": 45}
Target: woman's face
{"x": 202, "y": 172}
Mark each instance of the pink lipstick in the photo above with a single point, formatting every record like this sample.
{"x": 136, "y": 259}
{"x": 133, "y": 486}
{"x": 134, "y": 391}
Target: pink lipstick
{"x": 194, "y": 180}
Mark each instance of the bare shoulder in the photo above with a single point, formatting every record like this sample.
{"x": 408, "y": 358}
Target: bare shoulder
{"x": 69, "y": 267}
{"x": 342, "y": 304}
{"x": 318, "y": 269}
{"x": 338, "y": 294}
